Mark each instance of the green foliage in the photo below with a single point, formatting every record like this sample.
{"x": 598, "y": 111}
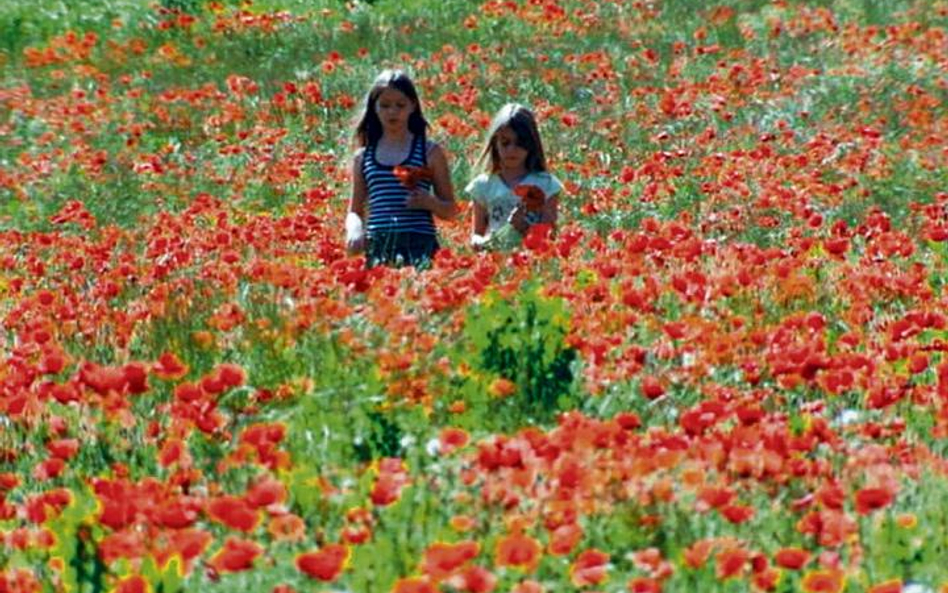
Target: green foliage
{"x": 522, "y": 339}
{"x": 83, "y": 570}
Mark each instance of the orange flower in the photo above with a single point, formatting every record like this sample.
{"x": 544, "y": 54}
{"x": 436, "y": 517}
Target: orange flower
{"x": 823, "y": 581}
{"x": 518, "y": 550}
{"x": 906, "y": 520}
{"x": 411, "y": 176}
{"x": 325, "y": 564}
{"x": 413, "y": 585}
{"x": 791, "y": 558}
{"x": 891, "y": 586}
{"x": 528, "y": 586}
{"x": 462, "y": 523}
{"x": 501, "y": 387}
{"x": 698, "y": 553}
{"x": 589, "y": 568}
{"x": 531, "y": 196}
{"x": 287, "y": 528}
{"x": 203, "y": 339}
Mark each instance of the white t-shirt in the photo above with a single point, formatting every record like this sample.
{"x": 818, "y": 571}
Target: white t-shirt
{"x": 490, "y": 191}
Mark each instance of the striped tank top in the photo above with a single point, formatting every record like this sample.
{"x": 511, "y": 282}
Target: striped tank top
{"x": 387, "y": 195}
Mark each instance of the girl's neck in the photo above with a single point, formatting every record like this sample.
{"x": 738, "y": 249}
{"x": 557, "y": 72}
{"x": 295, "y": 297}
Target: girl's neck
{"x": 396, "y": 137}
{"x": 513, "y": 176}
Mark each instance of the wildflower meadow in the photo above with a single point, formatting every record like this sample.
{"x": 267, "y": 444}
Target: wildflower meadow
{"x": 726, "y": 371}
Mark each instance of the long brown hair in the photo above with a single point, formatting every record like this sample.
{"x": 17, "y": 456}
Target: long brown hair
{"x": 368, "y": 130}
{"x": 523, "y": 124}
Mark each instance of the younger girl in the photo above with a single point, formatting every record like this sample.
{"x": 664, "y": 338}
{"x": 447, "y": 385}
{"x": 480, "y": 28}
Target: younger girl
{"x": 391, "y": 136}
{"x": 506, "y": 197}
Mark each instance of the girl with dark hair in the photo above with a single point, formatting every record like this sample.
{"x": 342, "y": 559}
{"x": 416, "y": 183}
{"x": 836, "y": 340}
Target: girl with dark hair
{"x": 400, "y": 179}
{"x": 515, "y": 191}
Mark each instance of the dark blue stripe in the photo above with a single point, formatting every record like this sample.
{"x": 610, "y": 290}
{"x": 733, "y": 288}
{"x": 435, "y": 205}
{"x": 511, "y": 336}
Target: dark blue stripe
{"x": 387, "y": 211}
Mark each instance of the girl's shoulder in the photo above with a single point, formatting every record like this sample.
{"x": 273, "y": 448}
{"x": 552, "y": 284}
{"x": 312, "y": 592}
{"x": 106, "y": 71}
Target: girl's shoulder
{"x": 357, "y": 157}
{"x": 482, "y": 184}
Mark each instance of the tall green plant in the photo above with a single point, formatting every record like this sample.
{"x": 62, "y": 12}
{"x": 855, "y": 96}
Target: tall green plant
{"x": 522, "y": 338}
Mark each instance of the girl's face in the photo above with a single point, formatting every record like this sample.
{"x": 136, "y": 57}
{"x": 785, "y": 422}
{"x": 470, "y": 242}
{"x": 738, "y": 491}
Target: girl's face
{"x": 393, "y": 108}
{"x": 511, "y": 155}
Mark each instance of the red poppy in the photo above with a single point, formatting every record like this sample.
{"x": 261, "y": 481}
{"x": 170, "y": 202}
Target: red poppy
{"x": 644, "y": 585}
{"x": 731, "y": 562}
{"x": 589, "y": 568}
{"x": 564, "y": 538}
{"x": 766, "y": 579}
{"x": 236, "y": 555}
{"x": 651, "y": 387}
{"x": 823, "y": 581}
{"x": 265, "y": 492}
{"x": 133, "y": 584}
{"x": 325, "y": 564}
{"x": 531, "y": 196}
{"x": 231, "y": 375}
{"x": 452, "y": 439}
{"x": 410, "y": 176}
{"x": 169, "y": 367}
{"x": 518, "y": 550}
{"x": 234, "y": 513}
{"x": 443, "y": 559}
{"x": 474, "y": 579}
{"x": 63, "y": 449}
{"x": 791, "y": 558}
{"x": 872, "y": 499}
{"x": 737, "y": 513}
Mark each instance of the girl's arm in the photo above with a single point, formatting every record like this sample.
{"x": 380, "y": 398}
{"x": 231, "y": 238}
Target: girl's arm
{"x": 479, "y": 224}
{"x": 355, "y": 235}
{"x": 442, "y": 203}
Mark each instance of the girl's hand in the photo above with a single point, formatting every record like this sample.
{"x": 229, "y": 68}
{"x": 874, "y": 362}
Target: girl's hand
{"x": 355, "y": 234}
{"x": 479, "y": 242}
{"x": 419, "y": 199}
{"x": 518, "y": 220}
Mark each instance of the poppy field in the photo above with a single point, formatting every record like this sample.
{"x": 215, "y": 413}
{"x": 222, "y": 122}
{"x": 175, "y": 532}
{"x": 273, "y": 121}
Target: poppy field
{"x": 726, "y": 371}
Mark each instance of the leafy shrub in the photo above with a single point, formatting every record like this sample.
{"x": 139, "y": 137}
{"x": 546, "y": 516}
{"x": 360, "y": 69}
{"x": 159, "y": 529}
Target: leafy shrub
{"x": 522, "y": 339}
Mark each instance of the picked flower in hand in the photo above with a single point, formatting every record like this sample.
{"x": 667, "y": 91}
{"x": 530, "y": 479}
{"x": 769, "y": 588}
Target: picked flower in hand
{"x": 411, "y": 176}
{"x": 531, "y": 196}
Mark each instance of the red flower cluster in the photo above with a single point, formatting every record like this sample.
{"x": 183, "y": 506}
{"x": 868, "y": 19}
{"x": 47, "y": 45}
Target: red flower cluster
{"x": 410, "y": 176}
